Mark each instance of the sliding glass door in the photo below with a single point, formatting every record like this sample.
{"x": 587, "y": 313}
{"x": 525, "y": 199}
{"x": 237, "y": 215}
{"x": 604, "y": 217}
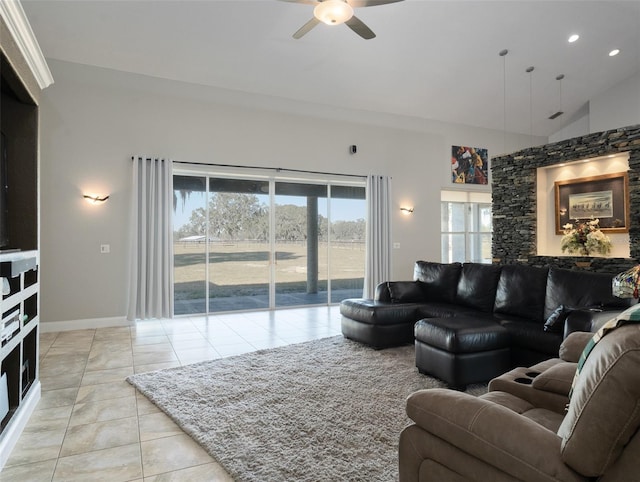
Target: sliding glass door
{"x": 346, "y": 242}
{"x": 190, "y": 244}
{"x": 300, "y": 256}
{"x": 246, "y": 244}
{"x": 239, "y": 247}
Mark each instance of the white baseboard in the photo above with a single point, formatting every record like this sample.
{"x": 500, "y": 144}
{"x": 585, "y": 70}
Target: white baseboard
{"x": 88, "y": 324}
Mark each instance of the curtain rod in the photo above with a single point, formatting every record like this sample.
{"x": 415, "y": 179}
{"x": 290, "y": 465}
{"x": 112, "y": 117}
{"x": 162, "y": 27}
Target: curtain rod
{"x": 276, "y": 169}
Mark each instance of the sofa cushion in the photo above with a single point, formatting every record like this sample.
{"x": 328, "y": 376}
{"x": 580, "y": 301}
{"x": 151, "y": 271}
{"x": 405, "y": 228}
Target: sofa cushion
{"x": 461, "y": 334}
{"x": 440, "y": 281}
{"x": 448, "y": 310}
{"x": 604, "y": 412}
{"x": 438, "y": 310}
{"x": 580, "y": 289}
{"x": 521, "y": 291}
{"x": 531, "y": 336}
{"x": 477, "y": 286}
{"x": 405, "y": 291}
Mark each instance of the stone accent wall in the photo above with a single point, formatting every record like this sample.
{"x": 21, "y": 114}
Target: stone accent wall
{"x": 514, "y": 197}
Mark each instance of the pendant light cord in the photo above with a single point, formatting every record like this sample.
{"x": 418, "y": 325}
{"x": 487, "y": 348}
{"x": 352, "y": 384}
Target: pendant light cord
{"x": 503, "y": 54}
{"x": 530, "y": 72}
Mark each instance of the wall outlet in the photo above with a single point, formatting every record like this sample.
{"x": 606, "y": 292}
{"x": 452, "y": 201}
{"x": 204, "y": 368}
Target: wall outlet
{"x": 396, "y": 245}
{"x": 105, "y": 248}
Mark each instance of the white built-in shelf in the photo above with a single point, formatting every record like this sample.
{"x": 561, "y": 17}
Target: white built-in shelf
{"x": 19, "y": 324}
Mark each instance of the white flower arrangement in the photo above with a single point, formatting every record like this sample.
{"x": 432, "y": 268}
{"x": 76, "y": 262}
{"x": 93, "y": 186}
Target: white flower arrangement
{"x": 585, "y": 238}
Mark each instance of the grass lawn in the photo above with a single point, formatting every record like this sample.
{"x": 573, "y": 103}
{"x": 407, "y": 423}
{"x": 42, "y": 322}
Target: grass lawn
{"x": 244, "y": 268}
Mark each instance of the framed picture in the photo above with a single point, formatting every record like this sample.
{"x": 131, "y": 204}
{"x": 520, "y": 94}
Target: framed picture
{"x": 469, "y": 165}
{"x": 603, "y": 197}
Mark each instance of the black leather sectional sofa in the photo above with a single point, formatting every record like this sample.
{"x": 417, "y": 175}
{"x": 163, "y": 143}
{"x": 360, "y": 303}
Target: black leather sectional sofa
{"x": 464, "y": 317}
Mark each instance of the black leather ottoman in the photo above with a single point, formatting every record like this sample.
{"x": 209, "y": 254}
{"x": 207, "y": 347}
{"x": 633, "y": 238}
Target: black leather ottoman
{"x": 461, "y": 350}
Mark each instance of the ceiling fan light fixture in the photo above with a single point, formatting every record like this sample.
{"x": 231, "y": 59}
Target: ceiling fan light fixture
{"x": 333, "y": 12}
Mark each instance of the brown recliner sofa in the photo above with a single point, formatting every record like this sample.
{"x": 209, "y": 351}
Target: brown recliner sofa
{"x": 502, "y": 436}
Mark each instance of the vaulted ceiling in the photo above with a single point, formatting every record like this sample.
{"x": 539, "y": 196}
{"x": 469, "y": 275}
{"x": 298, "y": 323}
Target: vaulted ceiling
{"x": 431, "y": 59}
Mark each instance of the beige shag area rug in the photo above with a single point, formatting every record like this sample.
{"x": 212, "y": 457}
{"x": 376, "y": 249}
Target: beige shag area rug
{"x": 325, "y": 410}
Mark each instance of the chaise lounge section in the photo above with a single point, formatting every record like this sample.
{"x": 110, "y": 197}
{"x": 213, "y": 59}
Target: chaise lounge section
{"x": 471, "y": 322}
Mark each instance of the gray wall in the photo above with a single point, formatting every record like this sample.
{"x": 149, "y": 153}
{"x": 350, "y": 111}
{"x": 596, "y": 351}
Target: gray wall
{"x": 93, "y": 120}
{"x": 616, "y": 107}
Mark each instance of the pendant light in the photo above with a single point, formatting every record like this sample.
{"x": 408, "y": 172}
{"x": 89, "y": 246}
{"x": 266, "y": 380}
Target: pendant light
{"x": 559, "y": 112}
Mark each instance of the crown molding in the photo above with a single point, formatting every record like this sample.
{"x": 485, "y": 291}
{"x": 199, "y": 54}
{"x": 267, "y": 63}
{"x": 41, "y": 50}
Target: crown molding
{"x": 19, "y": 27}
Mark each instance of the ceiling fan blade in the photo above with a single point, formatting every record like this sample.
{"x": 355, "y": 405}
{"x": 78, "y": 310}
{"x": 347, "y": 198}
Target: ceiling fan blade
{"x": 367, "y": 3}
{"x": 307, "y": 2}
{"x": 358, "y": 26}
{"x": 306, "y": 27}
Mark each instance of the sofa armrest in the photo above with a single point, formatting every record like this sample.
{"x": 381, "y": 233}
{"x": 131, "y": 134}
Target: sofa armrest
{"x": 492, "y": 433}
{"x": 573, "y": 346}
{"x": 382, "y": 292}
{"x": 578, "y": 320}
{"x": 556, "y": 379}
{"x": 400, "y": 292}
{"x": 588, "y": 320}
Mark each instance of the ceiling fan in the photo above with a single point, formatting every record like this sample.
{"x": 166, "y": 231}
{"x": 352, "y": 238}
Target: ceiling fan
{"x": 335, "y": 12}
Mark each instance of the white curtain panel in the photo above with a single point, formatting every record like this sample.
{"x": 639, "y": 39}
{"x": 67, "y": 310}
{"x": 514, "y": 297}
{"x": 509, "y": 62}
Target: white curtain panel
{"x": 151, "y": 274}
{"x": 378, "y": 251}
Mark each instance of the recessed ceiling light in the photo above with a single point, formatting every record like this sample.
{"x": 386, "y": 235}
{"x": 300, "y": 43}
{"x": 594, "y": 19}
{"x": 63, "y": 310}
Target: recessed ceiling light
{"x": 573, "y": 38}
{"x": 614, "y": 52}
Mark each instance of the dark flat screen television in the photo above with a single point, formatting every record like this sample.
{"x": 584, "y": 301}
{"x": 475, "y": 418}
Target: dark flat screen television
{"x": 4, "y": 189}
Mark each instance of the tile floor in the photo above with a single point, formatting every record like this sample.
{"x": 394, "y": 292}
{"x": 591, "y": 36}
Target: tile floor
{"x": 91, "y": 425}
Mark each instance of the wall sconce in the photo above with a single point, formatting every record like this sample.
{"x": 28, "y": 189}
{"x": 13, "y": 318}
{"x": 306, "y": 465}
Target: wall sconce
{"x": 94, "y": 198}
{"x": 406, "y": 211}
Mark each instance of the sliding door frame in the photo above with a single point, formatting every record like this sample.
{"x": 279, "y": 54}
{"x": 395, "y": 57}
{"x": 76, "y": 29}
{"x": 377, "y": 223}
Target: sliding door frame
{"x": 223, "y": 172}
